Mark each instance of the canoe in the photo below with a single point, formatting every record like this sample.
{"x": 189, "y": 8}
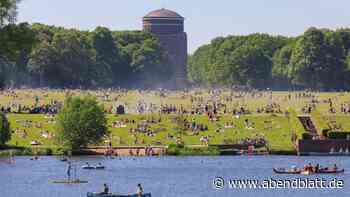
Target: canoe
{"x": 299, "y": 171}
{"x": 306, "y": 172}
{"x": 330, "y": 171}
{"x": 76, "y": 181}
{"x": 116, "y": 195}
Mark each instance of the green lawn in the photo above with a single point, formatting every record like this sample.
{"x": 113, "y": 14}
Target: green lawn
{"x": 278, "y": 135}
{"x": 275, "y": 129}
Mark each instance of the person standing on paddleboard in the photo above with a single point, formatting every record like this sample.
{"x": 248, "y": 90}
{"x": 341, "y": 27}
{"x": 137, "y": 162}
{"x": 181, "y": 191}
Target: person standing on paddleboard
{"x": 69, "y": 168}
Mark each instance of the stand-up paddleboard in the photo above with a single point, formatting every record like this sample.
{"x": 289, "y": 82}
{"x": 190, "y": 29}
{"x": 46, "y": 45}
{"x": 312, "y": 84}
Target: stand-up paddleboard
{"x": 116, "y": 195}
{"x": 75, "y": 181}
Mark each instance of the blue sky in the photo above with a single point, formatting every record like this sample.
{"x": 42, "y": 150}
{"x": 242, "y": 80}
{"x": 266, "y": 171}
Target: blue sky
{"x": 205, "y": 19}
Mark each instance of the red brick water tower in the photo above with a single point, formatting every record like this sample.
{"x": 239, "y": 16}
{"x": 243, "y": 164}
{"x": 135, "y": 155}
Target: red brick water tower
{"x": 168, "y": 27}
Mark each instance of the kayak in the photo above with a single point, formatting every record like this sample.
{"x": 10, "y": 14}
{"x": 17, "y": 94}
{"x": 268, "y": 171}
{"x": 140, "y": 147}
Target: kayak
{"x": 116, "y": 195}
{"x": 306, "y": 172}
{"x": 93, "y": 167}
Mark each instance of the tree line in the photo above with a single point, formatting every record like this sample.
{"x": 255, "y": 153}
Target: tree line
{"x": 319, "y": 59}
{"x": 46, "y": 56}
{"x": 40, "y": 55}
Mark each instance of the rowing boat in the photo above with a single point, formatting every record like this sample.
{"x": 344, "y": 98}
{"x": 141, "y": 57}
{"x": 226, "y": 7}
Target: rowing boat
{"x": 116, "y": 195}
{"x": 306, "y": 172}
{"x": 330, "y": 171}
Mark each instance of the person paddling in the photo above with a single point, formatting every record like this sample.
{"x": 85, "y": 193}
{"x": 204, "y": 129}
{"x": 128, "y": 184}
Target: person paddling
{"x": 105, "y": 189}
{"x": 139, "y": 190}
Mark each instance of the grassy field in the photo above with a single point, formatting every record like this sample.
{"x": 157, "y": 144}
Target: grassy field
{"x": 276, "y": 128}
{"x": 277, "y": 131}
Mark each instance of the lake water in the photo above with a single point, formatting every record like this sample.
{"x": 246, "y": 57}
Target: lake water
{"x": 164, "y": 176}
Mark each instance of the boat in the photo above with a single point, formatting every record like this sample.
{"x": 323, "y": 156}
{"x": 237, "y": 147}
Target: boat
{"x": 63, "y": 159}
{"x": 88, "y": 167}
{"x": 307, "y": 172}
{"x": 73, "y": 181}
{"x": 99, "y": 167}
{"x": 34, "y": 158}
{"x": 117, "y": 195}
{"x": 286, "y": 171}
{"x": 330, "y": 171}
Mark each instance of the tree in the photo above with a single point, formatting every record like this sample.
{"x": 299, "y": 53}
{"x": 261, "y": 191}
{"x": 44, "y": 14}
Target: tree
{"x": 250, "y": 66}
{"x": 281, "y": 71}
{"x": 108, "y": 60}
{"x": 68, "y": 60}
{"x": 8, "y": 11}
{"x": 4, "y": 71}
{"x": 5, "y": 131}
{"x": 16, "y": 45}
{"x": 308, "y": 59}
{"x": 235, "y": 60}
{"x": 81, "y": 122}
{"x": 148, "y": 60}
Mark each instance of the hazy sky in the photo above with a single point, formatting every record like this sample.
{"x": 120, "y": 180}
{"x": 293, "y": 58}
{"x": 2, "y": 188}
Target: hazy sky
{"x": 205, "y": 19}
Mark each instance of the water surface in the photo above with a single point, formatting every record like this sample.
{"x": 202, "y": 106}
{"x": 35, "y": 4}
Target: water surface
{"x": 163, "y": 176}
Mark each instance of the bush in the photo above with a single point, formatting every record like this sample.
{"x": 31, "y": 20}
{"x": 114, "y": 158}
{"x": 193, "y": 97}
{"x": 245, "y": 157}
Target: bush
{"x": 80, "y": 122}
{"x": 338, "y": 135}
{"x": 27, "y": 151}
{"x": 175, "y": 150}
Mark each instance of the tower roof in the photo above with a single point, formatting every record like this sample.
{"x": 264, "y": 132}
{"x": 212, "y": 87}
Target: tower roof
{"x": 163, "y": 13}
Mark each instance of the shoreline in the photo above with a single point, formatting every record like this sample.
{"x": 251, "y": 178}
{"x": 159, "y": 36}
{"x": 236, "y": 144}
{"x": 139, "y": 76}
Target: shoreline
{"x": 24, "y": 151}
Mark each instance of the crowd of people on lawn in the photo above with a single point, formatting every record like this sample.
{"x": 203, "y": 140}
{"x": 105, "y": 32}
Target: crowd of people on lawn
{"x": 199, "y": 109}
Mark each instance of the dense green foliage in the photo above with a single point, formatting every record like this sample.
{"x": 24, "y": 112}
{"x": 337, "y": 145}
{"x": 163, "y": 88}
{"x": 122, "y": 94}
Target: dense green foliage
{"x": 10, "y": 40}
{"x": 8, "y": 11}
{"x": 239, "y": 60}
{"x": 80, "y": 122}
{"x": 41, "y": 55}
{"x": 175, "y": 150}
{"x": 319, "y": 59}
{"x": 5, "y": 131}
